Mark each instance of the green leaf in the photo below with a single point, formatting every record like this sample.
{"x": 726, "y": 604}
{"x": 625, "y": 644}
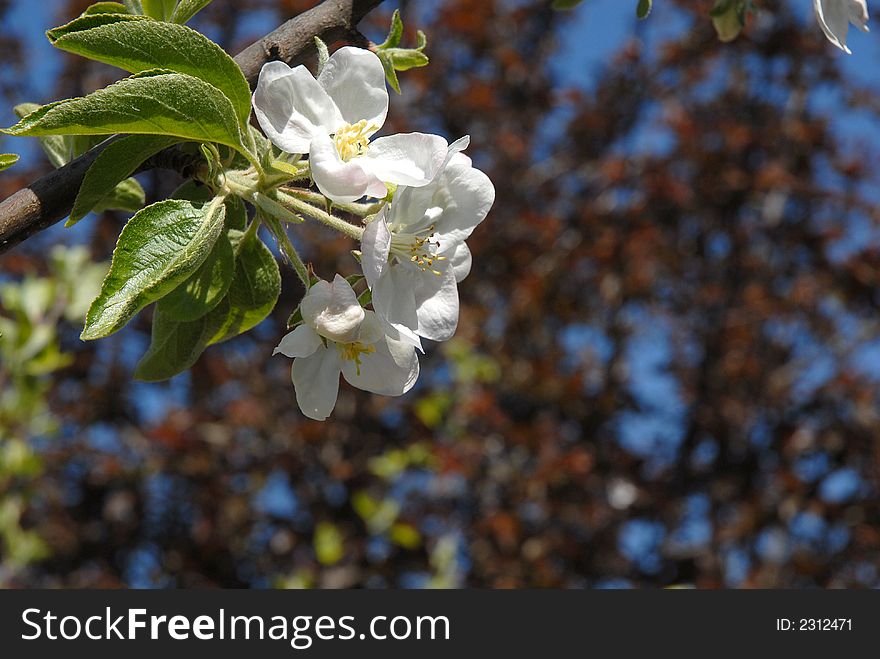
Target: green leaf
{"x": 236, "y": 213}
{"x": 106, "y": 8}
{"x": 565, "y": 4}
{"x": 254, "y": 290}
{"x": 56, "y": 147}
{"x": 7, "y": 160}
{"x": 395, "y": 33}
{"x": 203, "y": 291}
{"x": 159, "y": 248}
{"x": 404, "y": 59}
{"x": 152, "y": 103}
{"x": 194, "y": 191}
{"x": 390, "y": 73}
{"x": 644, "y": 8}
{"x": 113, "y": 165}
{"x": 175, "y": 346}
{"x": 186, "y": 9}
{"x": 136, "y": 44}
{"x": 128, "y": 195}
{"x": 161, "y": 10}
{"x": 133, "y": 6}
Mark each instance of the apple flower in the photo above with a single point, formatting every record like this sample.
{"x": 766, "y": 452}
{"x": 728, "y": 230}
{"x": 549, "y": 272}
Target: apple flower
{"x": 333, "y": 118}
{"x": 834, "y": 17}
{"x": 338, "y": 336}
{"x": 414, "y": 252}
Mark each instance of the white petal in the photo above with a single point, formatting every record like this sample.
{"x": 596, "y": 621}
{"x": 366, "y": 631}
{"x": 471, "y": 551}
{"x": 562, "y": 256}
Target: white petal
{"x": 342, "y": 182}
{"x": 437, "y": 305}
{"x": 459, "y": 145}
{"x": 454, "y": 203}
{"x": 355, "y": 80}
{"x": 834, "y": 17}
{"x": 465, "y": 195}
{"x": 375, "y": 245}
{"x": 401, "y": 340}
{"x": 301, "y": 342}
{"x": 405, "y": 159}
{"x": 380, "y": 373}
{"x": 409, "y": 209}
{"x": 291, "y": 107}
{"x": 333, "y": 310}
{"x": 316, "y": 380}
{"x": 461, "y": 261}
{"x": 394, "y": 296}
{"x": 371, "y": 330}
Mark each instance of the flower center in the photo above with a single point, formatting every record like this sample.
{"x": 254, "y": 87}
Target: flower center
{"x": 353, "y": 351}
{"x": 352, "y": 140}
{"x": 420, "y": 250}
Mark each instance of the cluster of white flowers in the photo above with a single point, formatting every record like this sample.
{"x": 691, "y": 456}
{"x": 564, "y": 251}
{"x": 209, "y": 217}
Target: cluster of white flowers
{"x": 834, "y": 17}
{"x": 413, "y": 249}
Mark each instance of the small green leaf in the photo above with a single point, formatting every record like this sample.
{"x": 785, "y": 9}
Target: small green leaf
{"x": 159, "y": 248}
{"x": 390, "y": 73}
{"x": 323, "y": 54}
{"x": 7, "y": 160}
{"x": 194, "y": 191}
{"x": 175, "y": 346}
{"x": 56, "y": 147}
{"x": 161, "y": 10}
{"x": 186, "y": 9}
{"x": 136, "y": 44}
{"x": 128, "y": 195}
{"x": 236, "y": 214}
{"x": 151, "y": 103}
{"x": 400, "y": 59}
{"x": 395, "y": 33}
{"x": 203, "y": 291}
{"x": 106, "y": 8}
{"x": 254, "y": 290}
{"x": 644, "y": 8}
{"x": 133, "y": 6}
{"x": 404, "y": 59}
{"x": 565, "y": 4}
{"x": 112, "y": 166}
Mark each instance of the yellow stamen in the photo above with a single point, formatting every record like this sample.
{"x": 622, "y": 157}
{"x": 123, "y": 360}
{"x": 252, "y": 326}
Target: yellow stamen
{"x": 353, "y": 351}
{"x": 352, "y": 140}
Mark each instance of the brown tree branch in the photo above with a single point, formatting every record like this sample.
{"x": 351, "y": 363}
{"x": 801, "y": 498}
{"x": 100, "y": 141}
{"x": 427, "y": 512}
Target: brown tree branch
{"x": 50, "y": 198}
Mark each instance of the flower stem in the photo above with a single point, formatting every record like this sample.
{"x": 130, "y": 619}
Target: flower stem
{"x": 329, "y": 220}
{"x": 287, "y": 249}
{"x": 315, "y": 198}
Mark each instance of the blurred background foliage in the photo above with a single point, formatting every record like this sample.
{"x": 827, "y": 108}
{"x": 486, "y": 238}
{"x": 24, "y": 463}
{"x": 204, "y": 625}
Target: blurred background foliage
{"x": 666, "y": 371}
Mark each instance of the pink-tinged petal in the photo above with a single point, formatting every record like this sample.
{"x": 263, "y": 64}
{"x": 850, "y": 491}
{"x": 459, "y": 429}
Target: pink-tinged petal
{"x": 316, "y": 381}
{"x": 301, "y": 342}
{"x": 339, "y": 181}
{"x": 291, "y": 107}
{"x": 405, "y": 159}
{"x": 437, "y": 305}
{"x": 375, "y": 246}
{"x": 380, "y": 373}
{"x": 355, "y": 80}
{"x": 333, "y": 310}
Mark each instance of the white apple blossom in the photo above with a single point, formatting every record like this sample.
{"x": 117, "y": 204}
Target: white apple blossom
{"x": 834, "y": 17}
{"x": 338, "y": 336}
{"x": 332, "y": 119}
{"x": 414, "y": 251}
